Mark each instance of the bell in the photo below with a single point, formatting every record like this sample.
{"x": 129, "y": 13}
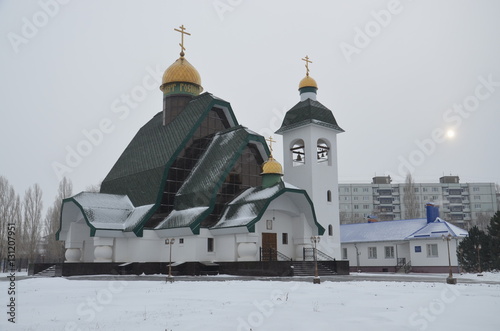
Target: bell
{"x": 299, "y": 158}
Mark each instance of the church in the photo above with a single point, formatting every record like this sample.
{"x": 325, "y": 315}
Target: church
{"x": 194, "y": 185}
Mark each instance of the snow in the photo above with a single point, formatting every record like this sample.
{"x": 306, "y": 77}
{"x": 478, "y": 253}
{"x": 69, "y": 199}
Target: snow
{"x": 224, "y": 304}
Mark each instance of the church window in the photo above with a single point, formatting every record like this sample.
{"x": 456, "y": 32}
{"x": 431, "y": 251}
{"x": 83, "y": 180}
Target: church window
{"x": 285, "y": 239}
{"x": 329, "y": 196}
{"x": 210, "y": 244}
{"x": 344, "y": 253}
{"x": 181, "y": 240}
{"x": 298, "y": 153}
{"x": 372, "y": 252}
{"x": 330, "y": 230}
{"x": 322, "y": 151}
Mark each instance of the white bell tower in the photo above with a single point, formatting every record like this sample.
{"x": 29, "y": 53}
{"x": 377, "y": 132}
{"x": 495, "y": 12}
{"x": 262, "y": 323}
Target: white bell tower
{"x": 309, "y": 133}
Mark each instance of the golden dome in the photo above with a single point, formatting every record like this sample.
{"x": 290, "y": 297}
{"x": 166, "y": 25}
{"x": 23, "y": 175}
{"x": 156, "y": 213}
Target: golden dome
{"x": 271, "y": 166}
{"x": 307, "y": 81}
{"x": 181, "y": 71}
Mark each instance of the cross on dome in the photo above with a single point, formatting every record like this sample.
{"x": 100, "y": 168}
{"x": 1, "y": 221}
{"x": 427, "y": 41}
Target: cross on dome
{"x": 306, "y": 59}
{"x": 183, "y": 32}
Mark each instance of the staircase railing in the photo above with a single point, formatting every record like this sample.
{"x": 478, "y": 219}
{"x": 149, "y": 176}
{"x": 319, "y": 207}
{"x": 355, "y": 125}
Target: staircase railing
{"x": 308, "y": 255}
{"x": 271, "y": 254}
{"x": 407, "y": 267}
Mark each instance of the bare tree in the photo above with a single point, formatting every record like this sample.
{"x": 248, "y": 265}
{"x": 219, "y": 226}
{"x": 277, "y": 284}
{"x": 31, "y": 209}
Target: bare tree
{"x": 55, "y": 249}
{"x": 96, "y": 188}
{"x": 7, "y": 203}
{"x": 482, "y": 220}
{"x": 410, "y": 200}
{"x": 32, "y": 220}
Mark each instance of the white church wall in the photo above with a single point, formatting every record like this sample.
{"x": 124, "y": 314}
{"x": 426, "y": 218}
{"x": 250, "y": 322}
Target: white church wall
{"x": 317, "y": 178}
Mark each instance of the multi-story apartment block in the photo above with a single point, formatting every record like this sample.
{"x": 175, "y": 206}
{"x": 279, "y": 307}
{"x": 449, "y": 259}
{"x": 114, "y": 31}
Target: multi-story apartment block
{"x": 463, "y": 204}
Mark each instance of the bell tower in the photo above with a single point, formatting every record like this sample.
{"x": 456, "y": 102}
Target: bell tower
{"x": 309, "y": 133}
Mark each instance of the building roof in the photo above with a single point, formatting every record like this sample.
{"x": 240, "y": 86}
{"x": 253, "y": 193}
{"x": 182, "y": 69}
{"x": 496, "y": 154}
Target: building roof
{"x": 101, "y": 212}
{"x": 197, "y": 196}
{"x": 248, "y": 208}
{"x": 140, "y": 171}
{"x": 397, "y": 230}
{"x": 306, "y": 112}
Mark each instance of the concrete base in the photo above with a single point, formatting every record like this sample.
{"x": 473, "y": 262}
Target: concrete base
{"x": 316, "y": 280}
{"x": 451, "y": 280}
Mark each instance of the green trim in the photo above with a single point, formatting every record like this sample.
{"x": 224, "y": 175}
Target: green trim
{"x": 251, "y": 225}
{"x": 181, "y": 88}
{"x": 269, "y": 180}
{"x": 92, "y": 228}
{"x": 138, "y": 230}
{"x": 308, "y": 89}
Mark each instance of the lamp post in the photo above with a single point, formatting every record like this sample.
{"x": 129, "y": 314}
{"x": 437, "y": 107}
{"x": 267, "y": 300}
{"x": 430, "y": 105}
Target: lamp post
{"x": 315, "y": 240}
{"x": 450, "y": 279}
{"x": 478, "y": 248}
{"x": 170, "y": 242}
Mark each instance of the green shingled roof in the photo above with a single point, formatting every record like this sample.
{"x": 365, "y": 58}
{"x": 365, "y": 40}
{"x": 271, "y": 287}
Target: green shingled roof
{"x": 197, "y": 196}
{"x": 141, "y": 170}
{"x": 308, "y": 111}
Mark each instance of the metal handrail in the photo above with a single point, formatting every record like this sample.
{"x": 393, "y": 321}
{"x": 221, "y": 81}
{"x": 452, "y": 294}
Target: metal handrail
{"x": 271, "y": 251}
{"x": 321, "y": 256}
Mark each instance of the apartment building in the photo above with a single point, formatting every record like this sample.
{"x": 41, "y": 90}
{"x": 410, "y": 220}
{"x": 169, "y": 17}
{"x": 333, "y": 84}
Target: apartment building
{"x": 463, "y": 204}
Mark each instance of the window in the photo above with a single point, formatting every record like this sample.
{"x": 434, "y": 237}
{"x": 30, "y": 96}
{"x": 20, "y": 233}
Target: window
{"x": 210, "y": 244}
{"x": 355, "y": 198}
{"x": 181, "y": 240}
{"x": 389, "y": 252}
{"x": 344, "y": 253}
{"x": 322, "y": 151}
{"x": 424, "y": 189}
{"x": 418, "y": 249}
{"x": 435, "y": 189}
{"x": 298, "y": 153}
{"x": 475, "y": 189}
{"x": 432, "y": 250}
{"x": 366, "y": 198}
{"x": 416, "y": 189}
{"x": 372, "y": 252}
{"x": 365, "y": 189}
{"x": 477, "y": 197}
{"x": 346, "y": 189}
{"x": 329, "y": 196}
{"x": 366, "y": 206}
{"x": 356, "y": 206}
{"x": 330, "y": 230}
{"x": 284, "y": 238}
{"x": 477, "y": 205}
{"x": 355, "y": 189}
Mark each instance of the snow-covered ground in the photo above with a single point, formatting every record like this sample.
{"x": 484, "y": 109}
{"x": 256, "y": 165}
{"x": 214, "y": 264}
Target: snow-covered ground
{"x": 121, "y": 304}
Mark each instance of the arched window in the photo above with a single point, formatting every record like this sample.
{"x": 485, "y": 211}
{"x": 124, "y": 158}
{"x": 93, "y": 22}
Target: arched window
{"x": 298, "y": 153}
{"x": 329, "y": 196}
{"x": 330, "y": 230}
{"x": 322, "y": 151}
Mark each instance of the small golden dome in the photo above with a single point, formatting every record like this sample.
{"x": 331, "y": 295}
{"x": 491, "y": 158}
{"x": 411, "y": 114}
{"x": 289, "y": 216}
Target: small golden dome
{"x": 307, "y": 81}
{"x": 271, "y": 166}
{"x": 181, "y": 71}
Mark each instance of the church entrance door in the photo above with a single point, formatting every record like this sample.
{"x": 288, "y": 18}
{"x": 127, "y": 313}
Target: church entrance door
{"x": 269, "y": 247}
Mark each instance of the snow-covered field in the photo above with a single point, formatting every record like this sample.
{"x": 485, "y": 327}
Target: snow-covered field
{"x": 121, "y": 304}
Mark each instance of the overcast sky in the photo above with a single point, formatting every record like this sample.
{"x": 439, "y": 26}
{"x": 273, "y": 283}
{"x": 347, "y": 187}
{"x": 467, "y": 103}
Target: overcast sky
{"x": 397, "y": 75}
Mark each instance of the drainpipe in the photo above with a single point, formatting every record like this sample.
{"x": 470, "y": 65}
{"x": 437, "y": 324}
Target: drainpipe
{"x": 357, "y": 256}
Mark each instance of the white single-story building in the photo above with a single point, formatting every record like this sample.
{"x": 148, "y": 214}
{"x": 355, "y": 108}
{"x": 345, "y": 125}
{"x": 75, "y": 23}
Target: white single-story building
{"x": 415, "y": 245}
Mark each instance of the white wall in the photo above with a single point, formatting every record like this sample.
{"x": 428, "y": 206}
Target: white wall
{"x": 421, "y": 259}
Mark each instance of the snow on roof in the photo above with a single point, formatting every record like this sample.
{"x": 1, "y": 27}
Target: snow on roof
{"x": 437, "y": 229}
{"x": 397, "y": 230}
{"x": 110, "y": 211}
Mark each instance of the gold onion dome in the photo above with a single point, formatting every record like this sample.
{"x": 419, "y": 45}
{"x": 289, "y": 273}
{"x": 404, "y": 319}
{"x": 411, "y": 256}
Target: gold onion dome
{"x": 307, "y": 81}
{"x": 271, "y": 166}
{"x": 181, "y": 71}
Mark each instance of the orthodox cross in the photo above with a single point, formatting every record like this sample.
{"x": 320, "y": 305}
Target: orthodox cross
{"x": 183, "y": 32}
{"x": 271, "y": 141}
{"x": 306, "y": 59}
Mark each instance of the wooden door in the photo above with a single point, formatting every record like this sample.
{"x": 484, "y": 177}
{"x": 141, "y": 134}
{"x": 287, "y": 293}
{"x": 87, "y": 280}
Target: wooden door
{"x": 269, "y": 247}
